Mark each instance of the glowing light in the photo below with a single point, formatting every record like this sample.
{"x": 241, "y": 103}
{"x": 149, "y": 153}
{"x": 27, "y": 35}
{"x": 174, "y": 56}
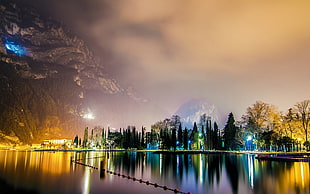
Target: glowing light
{"x": 86, "y": 185}
{"x": 249, "y": 138}
{"x": 200, "y": 169}
{"x": 89, "y": 116}
{"x": 251, "y": 170}
{"x": 15, "y": 48}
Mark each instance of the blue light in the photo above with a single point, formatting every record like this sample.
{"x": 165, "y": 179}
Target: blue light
{"x": 15, "y": 48}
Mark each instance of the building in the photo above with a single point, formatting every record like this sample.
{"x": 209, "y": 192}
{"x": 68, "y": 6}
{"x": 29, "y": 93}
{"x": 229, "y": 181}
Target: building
{"x": 57, "y": 143}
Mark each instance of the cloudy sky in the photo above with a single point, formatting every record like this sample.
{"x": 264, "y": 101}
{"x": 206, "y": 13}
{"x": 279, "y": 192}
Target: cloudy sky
{"x": 229, "y": 52}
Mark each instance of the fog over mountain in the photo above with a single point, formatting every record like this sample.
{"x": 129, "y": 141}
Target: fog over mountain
{"x": 192, "y": 110}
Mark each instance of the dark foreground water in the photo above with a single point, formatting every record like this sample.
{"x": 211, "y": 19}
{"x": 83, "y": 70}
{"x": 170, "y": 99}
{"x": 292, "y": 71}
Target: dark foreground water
{"x": 52, "y": 172}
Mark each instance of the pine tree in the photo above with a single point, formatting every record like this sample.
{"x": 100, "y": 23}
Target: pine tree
{"x": 173, "y": 138}
{"x": 209, "y": 134}
{"x": 143, "y": 145}
{"x": 134, "y": 139}
{"x": 76, "y": 141}
{"x": 103, "y": 139}
{"x": 166, "y": 138}
{"x": 85, "y": 141}
{"x": 230, "y": 133}
{"x": 195, "y": 137}
{"x": 180, "y": 136}
{"x": 185, "y": 139}
{"x": 216, "y": 138}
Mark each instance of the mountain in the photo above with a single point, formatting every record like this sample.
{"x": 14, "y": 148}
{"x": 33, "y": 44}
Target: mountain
{"x": 50, "y": 79}
{"x": 192, "y": 110}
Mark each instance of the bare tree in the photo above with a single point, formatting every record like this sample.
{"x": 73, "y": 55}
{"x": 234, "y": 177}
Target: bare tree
{"x": 260, "y": 118}
{"x": 303, "y": 115}
{"x": 257, "y": 116}
{"x": 289, "y": 122}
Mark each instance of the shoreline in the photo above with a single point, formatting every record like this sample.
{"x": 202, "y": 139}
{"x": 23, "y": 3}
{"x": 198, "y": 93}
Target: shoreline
{"x": 159, "y": 151}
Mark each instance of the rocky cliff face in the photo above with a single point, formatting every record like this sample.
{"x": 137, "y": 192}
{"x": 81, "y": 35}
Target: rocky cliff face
{"x": 46, "y": 75}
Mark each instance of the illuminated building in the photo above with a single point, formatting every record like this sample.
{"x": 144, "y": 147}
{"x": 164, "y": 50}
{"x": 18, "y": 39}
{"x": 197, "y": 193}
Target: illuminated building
{"x": 57, "y": 143}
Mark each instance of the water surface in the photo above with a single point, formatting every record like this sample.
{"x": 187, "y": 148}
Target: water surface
{"x": 52, "y": 172}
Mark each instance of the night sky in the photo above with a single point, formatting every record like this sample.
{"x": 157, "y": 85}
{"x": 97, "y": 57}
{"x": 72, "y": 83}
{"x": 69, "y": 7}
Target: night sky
{"x": 232, "y": 53}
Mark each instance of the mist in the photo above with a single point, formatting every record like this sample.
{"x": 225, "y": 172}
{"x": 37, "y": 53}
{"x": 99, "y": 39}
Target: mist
{"x": 231, "y": 53}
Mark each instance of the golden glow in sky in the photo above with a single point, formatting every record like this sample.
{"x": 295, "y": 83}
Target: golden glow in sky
{"x": 230, "y": 52}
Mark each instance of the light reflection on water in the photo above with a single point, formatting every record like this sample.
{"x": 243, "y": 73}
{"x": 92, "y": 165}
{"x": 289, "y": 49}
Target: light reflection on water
{"x": 52, "y": 172}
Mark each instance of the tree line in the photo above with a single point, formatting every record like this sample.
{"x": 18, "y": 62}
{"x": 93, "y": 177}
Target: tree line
{"x": 262, "y": 127}
{"x": 271, "y": 129}
{"x": 167, "y": 134}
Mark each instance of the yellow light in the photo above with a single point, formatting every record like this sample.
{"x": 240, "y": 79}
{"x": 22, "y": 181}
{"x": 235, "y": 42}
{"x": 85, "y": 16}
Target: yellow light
{"x": 89, "y": 116}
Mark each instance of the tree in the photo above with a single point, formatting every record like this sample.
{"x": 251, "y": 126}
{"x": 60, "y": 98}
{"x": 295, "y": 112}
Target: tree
{"x": 134, "y": 140}
{"x": 289, "y": 123}
{"x": 195, "y": 137}
{"x": 76, "y": 141}
{"x": 260, "y": 117}
{"x": 127, "y": 138}
{"x": 303, "y": 115}
{"x": 307, "y": 145}
{"x": 175, "y": 121}
{"x": 230, "y": 133}
{"x": 103, "y": 138}
{"x": 154, "y": 138}
{"x": 204, "y": 129}
{"x": 166, "y": 138}
{"x": 143, "y": 138}
{"x": 285, "y": 142}
{"x": 185, "y": 137}
{"x": 215, "y": 136}
{"x": 208, "y": 136}
{"x": 174, "y": 139}
{"x": 267, "y": 138}
{"x": 256, "y": 116}
{"x": 180, "y": 136}
{"x": 85, "y": 140}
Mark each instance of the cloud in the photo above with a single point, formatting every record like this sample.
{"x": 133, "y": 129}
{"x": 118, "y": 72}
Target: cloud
{"x": 232, "y": 52}
{"x": 209, "y": 48}
{"x": 204, "y": 35}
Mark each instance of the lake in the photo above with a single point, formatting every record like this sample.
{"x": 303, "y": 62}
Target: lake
{"x": 53, "y": 172}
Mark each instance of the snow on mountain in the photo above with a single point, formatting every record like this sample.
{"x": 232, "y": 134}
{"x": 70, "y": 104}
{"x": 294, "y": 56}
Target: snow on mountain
{"x": 192, "y": 110}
